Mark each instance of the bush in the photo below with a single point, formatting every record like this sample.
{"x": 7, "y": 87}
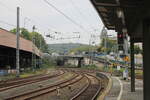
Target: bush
{"x": 48, "y": 62}
{"x": 89, "y": 67}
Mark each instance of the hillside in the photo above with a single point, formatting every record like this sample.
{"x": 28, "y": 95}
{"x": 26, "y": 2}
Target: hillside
{"x": 61, "y": 48}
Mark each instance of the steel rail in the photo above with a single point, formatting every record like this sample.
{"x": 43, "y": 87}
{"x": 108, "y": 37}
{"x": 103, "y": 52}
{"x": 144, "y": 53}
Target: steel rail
{"x": 61, "y": 86}
{"x": 30, "y": 82}
{"x": 86, "y": 88}
{"x": 37, "y": 90}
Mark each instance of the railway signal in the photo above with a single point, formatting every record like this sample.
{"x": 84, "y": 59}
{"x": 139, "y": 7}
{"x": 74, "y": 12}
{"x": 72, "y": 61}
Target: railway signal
{"x": 120, "y": 38}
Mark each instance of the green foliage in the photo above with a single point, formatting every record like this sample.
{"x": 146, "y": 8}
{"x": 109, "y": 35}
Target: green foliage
{"x": 70, "y": 47}
{"x": 13, "y": 31}
{"x": 89, "y": 67}
{"x": 39, "y": 40}
{"x": 84, "y": 48}
{"x": 63, "y": 47}
{"x": 24, "y": 33}
{"x": 48, "y": 61}
{"x": 137, "y": 50}
{"x": 110, "y": 45}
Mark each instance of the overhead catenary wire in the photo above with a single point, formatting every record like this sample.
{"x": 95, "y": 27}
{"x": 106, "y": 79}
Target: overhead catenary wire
{"x": 79, "y": 22}
{"x": 13, "y": 11}
{"x": 78, "y": 10}
{"x": 41, "y": 25}
{"x": 31, "y": 20}
{"x": 7, "y": 23}
{"x": 76, "y": 15}
{"x": 67, "y": 17}
{"x": 81, "y": 14}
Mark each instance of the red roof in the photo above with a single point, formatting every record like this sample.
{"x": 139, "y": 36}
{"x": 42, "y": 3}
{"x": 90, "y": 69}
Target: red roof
{"x": 8, "y": 39}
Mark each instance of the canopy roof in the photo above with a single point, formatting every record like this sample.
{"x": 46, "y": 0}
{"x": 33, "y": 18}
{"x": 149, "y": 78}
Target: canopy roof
{"x": 123, "y": 15}
{"x": 8, "y": 39}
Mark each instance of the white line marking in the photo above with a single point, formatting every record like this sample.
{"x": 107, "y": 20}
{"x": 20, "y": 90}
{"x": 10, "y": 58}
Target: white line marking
{"x": 121, "y": 90}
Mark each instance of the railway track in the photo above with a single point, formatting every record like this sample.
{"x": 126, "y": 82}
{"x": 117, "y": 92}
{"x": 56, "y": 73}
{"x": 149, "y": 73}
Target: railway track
{"x": 90, "y": 91}
{"x": 43, "y": 90}
{"x": 61, "y": 86}
{"x": 17, "y": 80}
{"x": 26, "y": 81}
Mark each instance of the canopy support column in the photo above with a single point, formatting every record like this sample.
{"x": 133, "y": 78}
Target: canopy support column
{"x": 146, "y": 58}
{"x": 132, "y": 66}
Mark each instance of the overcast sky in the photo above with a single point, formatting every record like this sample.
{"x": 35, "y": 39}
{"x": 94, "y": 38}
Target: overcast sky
{"x": 48, "y": 21}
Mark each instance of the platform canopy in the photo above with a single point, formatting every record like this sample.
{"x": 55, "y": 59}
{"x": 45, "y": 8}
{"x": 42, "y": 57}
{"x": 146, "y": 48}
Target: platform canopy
{"x": 123, "y": 15}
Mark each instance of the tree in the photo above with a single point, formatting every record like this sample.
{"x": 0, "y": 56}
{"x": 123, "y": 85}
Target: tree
{"x": 83, "y": 48}
{"x": 137, "y": 49}
{"x": 39, "y": 40}
{"x": 13, "y": 31}
{"x": 109, "y": 45}
{"x": 23, "y": 32}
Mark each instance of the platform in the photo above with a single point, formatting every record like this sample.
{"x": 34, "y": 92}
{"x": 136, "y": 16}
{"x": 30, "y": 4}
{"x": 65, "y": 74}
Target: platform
{"x": 121, "y": 90}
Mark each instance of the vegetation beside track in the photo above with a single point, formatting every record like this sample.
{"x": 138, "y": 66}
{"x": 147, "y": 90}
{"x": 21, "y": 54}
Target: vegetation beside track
{"x": 47, "y": 64}
{"x": 94, "y": 67}
{"x": 114, "y": 71}
{"x": 25, "y": 74}
{"x": 29, "y": 72}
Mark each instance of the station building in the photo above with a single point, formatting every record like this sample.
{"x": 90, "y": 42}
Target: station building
{"x": 8, "y": 51}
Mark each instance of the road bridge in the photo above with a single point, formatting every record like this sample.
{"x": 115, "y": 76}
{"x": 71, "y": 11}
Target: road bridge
{"x": 70, "y": 59}
{"x": 79, "y": 60}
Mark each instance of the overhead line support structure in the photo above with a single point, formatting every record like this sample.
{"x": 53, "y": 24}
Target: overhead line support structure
{"x": 17, "y": 44}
